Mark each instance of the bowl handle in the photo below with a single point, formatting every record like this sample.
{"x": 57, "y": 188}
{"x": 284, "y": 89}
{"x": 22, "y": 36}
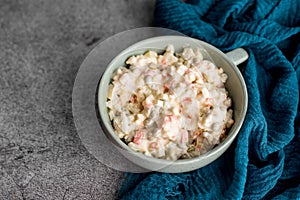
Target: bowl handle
{"x": 238, "y": 56}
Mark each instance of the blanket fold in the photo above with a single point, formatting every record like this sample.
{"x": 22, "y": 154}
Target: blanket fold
{"x": 264, "y": 161}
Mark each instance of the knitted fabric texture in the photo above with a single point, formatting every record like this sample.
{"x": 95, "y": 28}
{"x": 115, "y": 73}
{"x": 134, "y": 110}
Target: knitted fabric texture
{"x": 264, "y": 161}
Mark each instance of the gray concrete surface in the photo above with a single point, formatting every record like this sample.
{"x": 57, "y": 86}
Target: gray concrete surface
{"x": 42, "y": 44}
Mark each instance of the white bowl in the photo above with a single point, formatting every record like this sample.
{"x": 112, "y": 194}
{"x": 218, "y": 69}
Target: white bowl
{"x": 235, "y": 86}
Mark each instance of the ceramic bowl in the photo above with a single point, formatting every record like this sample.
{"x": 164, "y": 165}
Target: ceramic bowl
{"x": 235, "y": 86}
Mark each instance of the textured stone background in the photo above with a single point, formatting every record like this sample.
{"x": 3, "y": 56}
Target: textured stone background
{"x": 42, "y": 44}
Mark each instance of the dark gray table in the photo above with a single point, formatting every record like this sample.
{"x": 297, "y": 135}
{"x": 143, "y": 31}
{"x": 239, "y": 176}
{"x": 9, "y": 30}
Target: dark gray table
{"x": 42, "y": 44}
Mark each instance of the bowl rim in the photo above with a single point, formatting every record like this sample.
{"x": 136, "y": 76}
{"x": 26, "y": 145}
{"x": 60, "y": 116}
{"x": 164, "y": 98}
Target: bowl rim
{"x": 218, "y": 148}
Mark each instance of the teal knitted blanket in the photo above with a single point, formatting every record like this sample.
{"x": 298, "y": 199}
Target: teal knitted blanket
{"x": 264, "y": 161}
